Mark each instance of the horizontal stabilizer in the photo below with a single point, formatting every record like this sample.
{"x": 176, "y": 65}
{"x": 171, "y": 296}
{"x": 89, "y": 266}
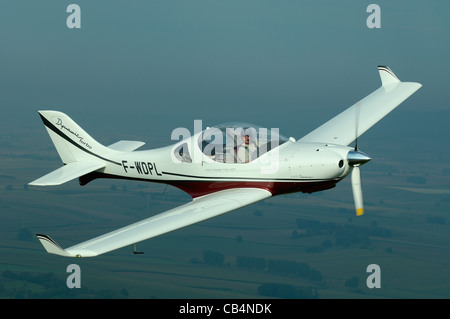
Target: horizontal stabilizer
{"x": 126, "y": 146}
{"x": 67, "y": 173}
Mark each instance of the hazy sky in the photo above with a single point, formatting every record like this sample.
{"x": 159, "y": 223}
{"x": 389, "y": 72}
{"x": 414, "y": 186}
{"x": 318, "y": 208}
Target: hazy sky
{"x": 151, "y": 65}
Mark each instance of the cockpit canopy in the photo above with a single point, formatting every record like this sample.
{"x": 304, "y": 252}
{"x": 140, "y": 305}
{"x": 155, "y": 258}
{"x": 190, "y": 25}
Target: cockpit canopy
{"x": 238, "y": 142}
{"x": 234, "y": 142}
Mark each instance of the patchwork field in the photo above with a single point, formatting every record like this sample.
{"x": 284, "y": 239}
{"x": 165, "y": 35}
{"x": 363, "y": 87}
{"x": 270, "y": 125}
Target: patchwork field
{"x": 295, "y": 246}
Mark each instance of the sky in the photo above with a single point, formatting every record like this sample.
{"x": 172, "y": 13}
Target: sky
{"x": 139, "y": 69}
{"x": 157, "y": 65}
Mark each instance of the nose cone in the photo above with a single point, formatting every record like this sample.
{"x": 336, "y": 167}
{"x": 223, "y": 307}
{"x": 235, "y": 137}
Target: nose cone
{"x": 357, "y": 158}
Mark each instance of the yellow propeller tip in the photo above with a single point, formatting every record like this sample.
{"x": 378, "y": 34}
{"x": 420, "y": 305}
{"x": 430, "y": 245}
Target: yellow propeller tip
{"x": 359, "y": 211}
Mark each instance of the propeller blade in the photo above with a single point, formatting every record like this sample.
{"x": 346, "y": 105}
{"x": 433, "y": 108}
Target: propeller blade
{"x": 357, "y": 110}
{"x": 357, "y": 191}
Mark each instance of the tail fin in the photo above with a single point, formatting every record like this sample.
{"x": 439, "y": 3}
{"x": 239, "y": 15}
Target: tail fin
{"x": 71, "y": 141}
{"x": 80, "y": 153}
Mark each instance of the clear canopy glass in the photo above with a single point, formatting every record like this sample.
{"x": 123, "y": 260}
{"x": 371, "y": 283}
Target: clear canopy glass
{"x": 238, "y": 142}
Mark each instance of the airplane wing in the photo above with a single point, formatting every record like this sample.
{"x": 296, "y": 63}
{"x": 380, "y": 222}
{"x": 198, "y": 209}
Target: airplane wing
{"x": 67, "y": 173}
{"x": 357, "y": 119}
{"x": 199, "y": 209}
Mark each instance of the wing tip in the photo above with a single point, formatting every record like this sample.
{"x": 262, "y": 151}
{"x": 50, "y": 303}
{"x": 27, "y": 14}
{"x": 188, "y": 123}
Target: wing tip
{"x": 52, "y": 247}
{"x": 387, "y": 75}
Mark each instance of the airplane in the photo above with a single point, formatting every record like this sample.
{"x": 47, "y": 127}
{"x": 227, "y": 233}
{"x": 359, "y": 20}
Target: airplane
{"x": 223, "y": 168}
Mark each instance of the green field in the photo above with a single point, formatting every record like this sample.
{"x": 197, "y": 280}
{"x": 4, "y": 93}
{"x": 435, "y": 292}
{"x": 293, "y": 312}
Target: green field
{"x": 405, "y": 230}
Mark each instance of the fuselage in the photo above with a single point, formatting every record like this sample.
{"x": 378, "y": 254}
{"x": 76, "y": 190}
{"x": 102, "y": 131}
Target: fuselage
{"x": 290, "y": 167}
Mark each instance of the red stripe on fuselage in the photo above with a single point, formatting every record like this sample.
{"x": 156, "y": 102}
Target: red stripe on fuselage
{"x": 196, "y": 189}
{"x": 200, "y": 188}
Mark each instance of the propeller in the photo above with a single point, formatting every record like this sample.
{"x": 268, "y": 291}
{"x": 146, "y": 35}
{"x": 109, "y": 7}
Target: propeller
{"x": 355, "y": 159}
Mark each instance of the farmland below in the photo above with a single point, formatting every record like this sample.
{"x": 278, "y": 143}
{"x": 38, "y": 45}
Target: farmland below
{"x": 290, "y": 246}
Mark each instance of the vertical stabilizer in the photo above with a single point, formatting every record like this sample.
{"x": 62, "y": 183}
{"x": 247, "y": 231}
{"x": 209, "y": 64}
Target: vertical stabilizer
{"x": 71, "y": 141}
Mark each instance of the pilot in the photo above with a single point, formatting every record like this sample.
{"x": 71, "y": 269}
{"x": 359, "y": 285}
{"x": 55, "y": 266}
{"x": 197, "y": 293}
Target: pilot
{"x": 246, "y": 152}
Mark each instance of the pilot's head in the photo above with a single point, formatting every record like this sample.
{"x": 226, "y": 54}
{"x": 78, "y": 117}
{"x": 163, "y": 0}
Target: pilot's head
{"x": 247, "y": 135}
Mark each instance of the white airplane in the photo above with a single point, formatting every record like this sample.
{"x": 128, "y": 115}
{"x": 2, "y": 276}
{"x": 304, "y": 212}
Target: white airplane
{"x": 223, "y": 168}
